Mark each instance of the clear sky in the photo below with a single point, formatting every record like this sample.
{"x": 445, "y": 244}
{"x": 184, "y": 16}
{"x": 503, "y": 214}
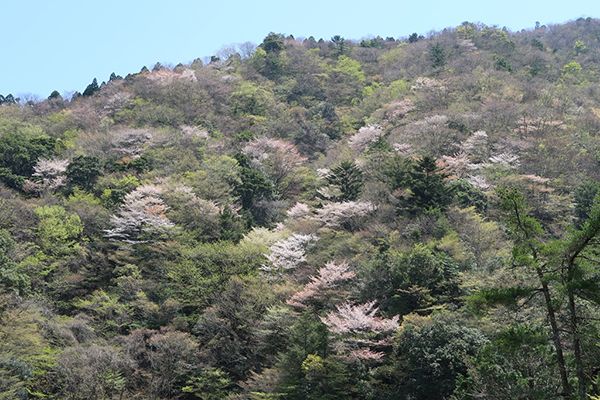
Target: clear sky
{"x": 63, "y": 44}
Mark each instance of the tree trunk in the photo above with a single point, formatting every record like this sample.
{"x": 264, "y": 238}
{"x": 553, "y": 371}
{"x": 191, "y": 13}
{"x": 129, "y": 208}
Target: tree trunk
{"x": 581, "y": 381}
{"x": 560, "y": 358}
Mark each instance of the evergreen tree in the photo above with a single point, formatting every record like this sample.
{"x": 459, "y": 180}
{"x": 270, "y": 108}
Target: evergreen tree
{"x": 55, "y": 95}
{"x": 91, "y": 88}
{"x": 420, "y": 185}
{"x": 83, "y": 171}
{"x": 437, "y": 56}
{"x": 348, "y": 178}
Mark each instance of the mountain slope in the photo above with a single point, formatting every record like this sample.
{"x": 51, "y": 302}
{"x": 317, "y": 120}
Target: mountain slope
{"x": 311, "y": 219}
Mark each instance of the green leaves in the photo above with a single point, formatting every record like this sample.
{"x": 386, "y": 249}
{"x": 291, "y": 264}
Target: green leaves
{"x": 419, "y": 185}
{"x": 507, "y": 296}
{"x": 58, "y": 231}
{"x": 348, "y": 178}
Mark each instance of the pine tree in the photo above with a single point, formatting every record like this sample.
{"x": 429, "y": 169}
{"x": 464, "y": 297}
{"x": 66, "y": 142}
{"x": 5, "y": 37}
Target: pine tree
{"x": 348, "y": 178}
{"x": 91, "y": 88}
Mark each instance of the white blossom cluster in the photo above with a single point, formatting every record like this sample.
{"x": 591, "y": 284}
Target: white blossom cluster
{"x": 365, "y": 136}
{"x": 361, "y": 333}
{"x": 505, "y": 159}
{"x": 51, "y": 172}
{"x": 289, "y": 253}
{"x": 476, "y": 145}
{"x": 298, "y": 211}
{"x": 423, "y": 82}
{"x": 275, "y": 157}
{"x": 336, "y": 214}
{"x": 403, "y": 149}
{"x": 350, "y": 318}
{"x": 141, "y": 217}
{"x": 130, "y": 142}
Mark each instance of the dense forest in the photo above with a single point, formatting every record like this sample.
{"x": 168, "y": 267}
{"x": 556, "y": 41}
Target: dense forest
{"x": 400, "y": 218}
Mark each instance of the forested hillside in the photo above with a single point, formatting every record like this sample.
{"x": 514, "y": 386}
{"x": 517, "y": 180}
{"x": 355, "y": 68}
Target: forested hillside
{"x": 410, "y": 218}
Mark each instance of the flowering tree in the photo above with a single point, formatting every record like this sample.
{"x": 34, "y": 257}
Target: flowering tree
{"x": 398, "y": 109}
{"x": 329, "y": 277}
{"x": 423, "y": 83}
{"x": 343, "y": 214}
{"x": 289, "y": 253}
{"x": 131, "y": 142}
{"x": 456, "y": 166}
{"x": 403, "y": 149}
{"x": 365, "y": 136}
{"x": 508, "y": 160}
{"x": 51, "y": 172}
{"x": 360, "y": 330}
{"x": 298, "y": 211}
{"x": 479, "y": 182}
{"x": 476, "y": 146}
{"x": 141, "y": 217}
{"x": 276, "y": 158}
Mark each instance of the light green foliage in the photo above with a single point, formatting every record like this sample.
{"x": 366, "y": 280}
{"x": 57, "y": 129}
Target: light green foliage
{"x": 212, "y": 384}
{"x": 144, "y": 112}
{"x": 580, "y": 47}
{"x": 106, "y": 309}
{"x": 349, "y": 67}
{"x": 572, "y": 71}
{"x": 205, "y": 268}
{"x": 251, "y": 99}
{"x": 25, "y": 353}
{"x": 346, "y": 80}
{"x": 115, "y": 190}
{"x": 216, "y": 179}
{"x": 11, "y": 276}
{"x": 58, "y": 231}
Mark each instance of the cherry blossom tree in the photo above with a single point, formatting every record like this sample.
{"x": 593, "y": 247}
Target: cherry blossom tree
{"x": 289, "y": 253}
{"x": 398, "y": 109}
{"x": 343, "y": 214}
{"x": 350, "y": 318}
{"x": 360, "y": 332}
{"x": 456, "y": 166}
{"x": 131, "y": 142}
{"x": 328, "y": 277}
{"x": 277, "y": 158}
{"x": 476, "y": 146}
{"x": 403, "y": 149}
{"x": 142, "y": 217}
{"x": 365, "y": 136}
{"x": 508, "y": 160}
{"x": 479, "y": 182}
{"x": 298, "y": 211}
{"x": 51, "y": 173}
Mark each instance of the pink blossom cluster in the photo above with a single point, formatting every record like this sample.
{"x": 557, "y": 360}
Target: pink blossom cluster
{"x": 328, "y": 277}
{"x": 350, "y": 318}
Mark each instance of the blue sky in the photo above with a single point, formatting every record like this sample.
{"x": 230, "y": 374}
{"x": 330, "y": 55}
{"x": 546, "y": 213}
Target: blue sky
{"x": 63, "y": 44}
